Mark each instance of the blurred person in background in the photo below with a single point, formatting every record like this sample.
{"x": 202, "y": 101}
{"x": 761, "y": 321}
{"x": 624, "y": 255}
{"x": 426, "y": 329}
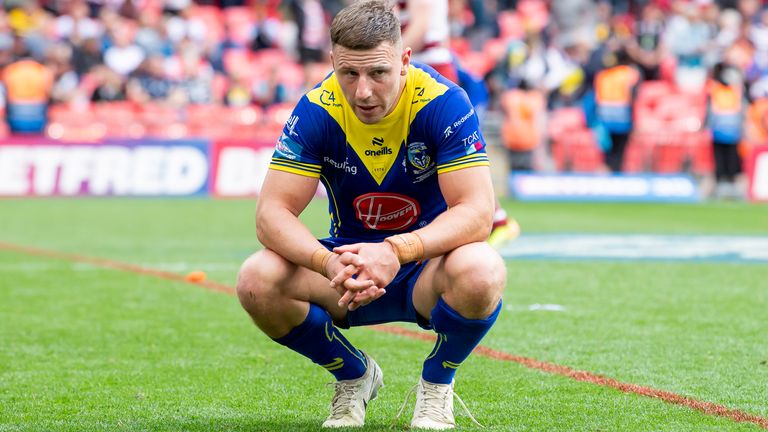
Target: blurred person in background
{"x": 103, "y": 84}
{"x": 726, "y": 113}
{"x": 266, "y": 29}
{"x": 151, "y": 35}
{"x": 312, "y": 38}
{"x": 193, "y": 82}
{"x": 149, "y": 82}
{"x": 615, "y": 90}
{"x": 238, "y": 90}
{"x": 729, "y": 30}
{"x": 268, "y": 90}
{"x": 426, "y": 31}
{"x": 523, "y": 128}
{"x": 29, "y": 22}
{"x": 123, "y": 56}
{"x": 646, "y": 47}
{"x": 75, "y": 25}
{"x": 58, "y": 60}
{"x": 180, "y": 23}
{"x": 688, "y": 36}
{"x": 86, "y": 56}
{"x": 27, "y": 85}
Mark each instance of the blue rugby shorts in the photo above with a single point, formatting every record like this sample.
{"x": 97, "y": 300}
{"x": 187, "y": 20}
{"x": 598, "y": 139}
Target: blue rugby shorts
{"x": 395, "y": 305}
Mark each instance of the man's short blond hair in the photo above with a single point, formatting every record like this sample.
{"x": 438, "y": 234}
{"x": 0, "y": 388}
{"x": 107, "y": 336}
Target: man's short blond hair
{"x": 364, "y": 25}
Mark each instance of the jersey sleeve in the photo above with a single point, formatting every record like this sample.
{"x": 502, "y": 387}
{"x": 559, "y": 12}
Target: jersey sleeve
{"x": 298, "y": 149}
{"x": 458, "y": 131}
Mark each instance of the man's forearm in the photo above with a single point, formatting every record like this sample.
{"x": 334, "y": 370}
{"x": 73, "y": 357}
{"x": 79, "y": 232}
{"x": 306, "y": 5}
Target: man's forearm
{"x": 455, "y": 227}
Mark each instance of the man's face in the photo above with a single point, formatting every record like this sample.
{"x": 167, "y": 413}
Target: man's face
{"x": 371, "y": 80}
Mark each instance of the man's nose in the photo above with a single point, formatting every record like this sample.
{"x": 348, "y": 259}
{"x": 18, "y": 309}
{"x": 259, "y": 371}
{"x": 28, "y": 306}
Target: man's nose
{"x": 363, "y": 90}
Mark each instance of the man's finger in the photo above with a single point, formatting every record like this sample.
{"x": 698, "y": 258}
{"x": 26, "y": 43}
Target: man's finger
{"x": 350, "y": 258}
{"x": 346, "y": 273}
{"x": 366, "y": 297}
{"x": 346, "y": 298}
{"x": 357, "y": 285}
{"x": 369, "y": 295}
{"x": 353, "y": 248}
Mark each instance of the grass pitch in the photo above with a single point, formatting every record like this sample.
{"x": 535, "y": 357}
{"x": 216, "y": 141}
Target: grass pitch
{"x": 86, "y": 348}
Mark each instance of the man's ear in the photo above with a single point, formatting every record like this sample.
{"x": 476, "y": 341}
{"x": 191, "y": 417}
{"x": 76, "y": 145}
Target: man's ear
{"x": 406, "y": 61}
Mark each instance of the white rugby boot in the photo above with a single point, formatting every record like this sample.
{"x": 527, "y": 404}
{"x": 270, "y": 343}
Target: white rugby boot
{"x": 434, "y": 406}
{"x": 352, "y": 397}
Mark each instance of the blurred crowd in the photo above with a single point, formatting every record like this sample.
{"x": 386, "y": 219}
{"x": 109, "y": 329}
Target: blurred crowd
{"x": 534, "y": 57}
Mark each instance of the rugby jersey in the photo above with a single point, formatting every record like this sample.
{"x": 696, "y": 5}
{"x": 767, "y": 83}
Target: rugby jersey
{"x": 381, "y": 178}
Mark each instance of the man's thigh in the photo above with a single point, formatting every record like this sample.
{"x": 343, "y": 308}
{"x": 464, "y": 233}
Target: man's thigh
{"x": 441, "y": 274}
{"x": 297, "y": 283}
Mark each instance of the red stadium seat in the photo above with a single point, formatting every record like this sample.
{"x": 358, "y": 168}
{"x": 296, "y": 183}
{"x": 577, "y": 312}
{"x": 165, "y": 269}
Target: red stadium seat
{"x": 577, "y": 152}
{"x": 271, "y": 57}
{"x": 114, "y": 112}
{"x": 652, "y": 91}
{"x": 562, "y": 121}
{"x": 478, "y": 63}
{"x": 460, "y": 45}
{"x": 670, "y": 158}
{"x": 638, "y": 156}
{"x": 205, "y": 113}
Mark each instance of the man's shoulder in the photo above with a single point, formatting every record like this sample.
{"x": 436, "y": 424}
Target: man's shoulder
{"x": 424, "y": 74}
{"x": 437, "y": 93}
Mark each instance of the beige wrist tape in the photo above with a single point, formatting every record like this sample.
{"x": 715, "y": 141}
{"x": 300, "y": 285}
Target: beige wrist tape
{"x": 320, "y": 258}
{"x": 408, "y": 247}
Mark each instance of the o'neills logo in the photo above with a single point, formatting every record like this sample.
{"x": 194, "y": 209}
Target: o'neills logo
{"x": 380, "y": 152}
{"x": 386, "y": 211}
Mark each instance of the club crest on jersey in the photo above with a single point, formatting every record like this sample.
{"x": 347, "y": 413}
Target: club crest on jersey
{"x": 386, "y": 211}
{"x": 418, "y": 156}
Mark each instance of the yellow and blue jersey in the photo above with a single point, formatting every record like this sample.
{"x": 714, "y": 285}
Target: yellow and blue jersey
{"x": 381, "y": 178}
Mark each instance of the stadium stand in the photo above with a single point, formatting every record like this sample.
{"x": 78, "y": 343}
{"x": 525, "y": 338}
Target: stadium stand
{"x": 250, "y": 75}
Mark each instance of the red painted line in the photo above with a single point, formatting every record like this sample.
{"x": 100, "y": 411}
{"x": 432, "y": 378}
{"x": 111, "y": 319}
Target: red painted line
{"x": 115, "y": 265}
{"x": 707, "y": 408}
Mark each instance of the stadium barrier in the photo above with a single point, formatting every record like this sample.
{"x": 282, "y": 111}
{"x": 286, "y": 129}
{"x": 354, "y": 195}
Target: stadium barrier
{"x": 173, "y": 168}
{"x": 604, "y": 187}
{"x": 231, "y": 168}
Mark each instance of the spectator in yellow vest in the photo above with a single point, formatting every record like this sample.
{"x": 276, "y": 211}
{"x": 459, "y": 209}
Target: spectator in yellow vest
{"x": 27, "y": 86}
{"x": 726, "y": 110}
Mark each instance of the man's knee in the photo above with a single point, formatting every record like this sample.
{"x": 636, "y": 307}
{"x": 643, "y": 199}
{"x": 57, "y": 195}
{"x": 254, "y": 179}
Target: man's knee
{"x": 478, "y": 278}
{"x": 259, "y": 280}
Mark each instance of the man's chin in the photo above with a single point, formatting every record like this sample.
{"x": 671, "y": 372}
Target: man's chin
{"x": 368, "y": 117}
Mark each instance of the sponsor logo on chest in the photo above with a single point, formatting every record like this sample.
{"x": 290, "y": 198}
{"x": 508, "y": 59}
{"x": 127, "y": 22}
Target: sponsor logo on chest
{"x": 386, "y": 211}
{"x": 381, "y": 151}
